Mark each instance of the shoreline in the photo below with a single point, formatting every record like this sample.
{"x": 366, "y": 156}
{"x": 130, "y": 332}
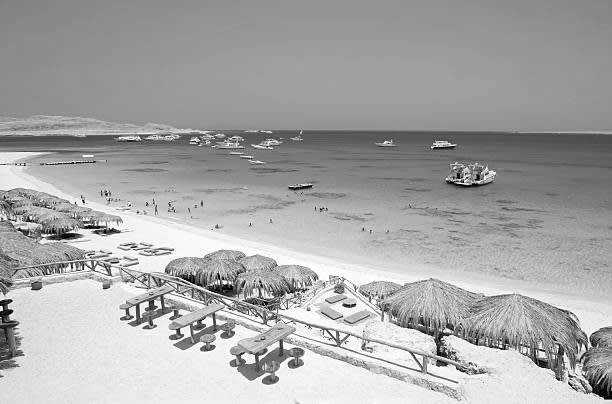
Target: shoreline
{"x": 592, "y": 311}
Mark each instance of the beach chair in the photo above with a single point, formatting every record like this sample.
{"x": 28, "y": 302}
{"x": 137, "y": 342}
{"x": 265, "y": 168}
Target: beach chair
{"x": 335, "y": 299}
{"x": 331, "y": 313}
{"x": 357, "y": 317}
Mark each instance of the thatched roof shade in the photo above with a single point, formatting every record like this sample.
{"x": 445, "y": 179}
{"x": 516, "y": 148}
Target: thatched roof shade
{"x": 59, "y": 224}
{"x": 23, "y": 192}
{"x": 299, "y": 277}
{"x": 265, "y": 282}
{"x": 379, "y": 289}
{"x": 258, "y": 262}
{"x": 70, "y": 253}
{"x": 47, "y": 200}
{"x": 597, "y": 369}
{"x": 233, "y": 255}
{"x": 63, "y": 207}
{"x": 430, "y": 303}
{"x": 602, "y": 337}
{"x": 186, "y": 267}
{"x": 80, "y": 212}
{"x": 219, "y": 270}
{"x": 100, "y": 217}
{"x": 519, "y": 320}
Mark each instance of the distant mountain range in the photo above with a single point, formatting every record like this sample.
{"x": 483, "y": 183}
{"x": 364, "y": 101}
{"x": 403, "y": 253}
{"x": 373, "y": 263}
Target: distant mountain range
{"x": 46, "y": 125}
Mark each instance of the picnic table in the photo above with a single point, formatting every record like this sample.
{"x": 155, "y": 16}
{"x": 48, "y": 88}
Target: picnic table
{"x": 196, "y": 316}
{"x": 255, "y": 345}
{"x": 150, "y": 297}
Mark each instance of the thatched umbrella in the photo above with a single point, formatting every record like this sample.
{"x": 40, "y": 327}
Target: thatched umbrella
{"x": 58, "y": 223}
{"x": 17, "y": 201}
{"x": 219, "y": 270}
{"x": 521, "y": 321}
{"x": 47, "y": 200}
{"x": 186, "y": 267}
{"x": 258, "y": 262}
{"x": 71, "y": 253}
{"x": 65, "y": 207}
{"x": 602, "y": 337}
{"x": 225, "y": 255}
{"x": 379, "y": 289}
{"x": 430, "y": 304}
{"x": 80, "y": 212}
{"x": 7, "y": 267}
{"x": 597, "y": 369}
{"x": 101, "y": 217}
{"x": 270, "y": 282}
{"x": 299, "y": 277}
{"x": 23, "y": 192}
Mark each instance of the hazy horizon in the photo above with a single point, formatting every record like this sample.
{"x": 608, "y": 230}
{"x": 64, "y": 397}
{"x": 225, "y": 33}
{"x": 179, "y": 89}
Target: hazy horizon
{"x": 531, "y": 66}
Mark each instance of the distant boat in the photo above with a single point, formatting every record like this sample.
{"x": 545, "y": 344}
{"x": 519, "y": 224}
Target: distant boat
{"x": 128, "y": 139}
{"x": 470, "y": 174}
{"x": 87, "y": 156}
{"x": 298, "y": 138}
{"x": 246, "y": 156}
{"x": 154, "y": 137}
{"x": 295, "y": 187}
{"x": 194, "y": 140}
{"x": 386, "y": 143}
{"x": 257, "y": 162}
{"x": 236, "y": 138}
{"x": 265, "y": 131}
{"x": 262, "y": 147}
{"x": 443, "y": 144}
{"x": 271, "y": 142}
{"x": 251, "y": 131}
{"x": 220, "y": 136}
{"x": 79, "y": 135}
{"x": 236, "y": 153}
{"x": 171, "y": 138}
{"x": 227, "y": 144}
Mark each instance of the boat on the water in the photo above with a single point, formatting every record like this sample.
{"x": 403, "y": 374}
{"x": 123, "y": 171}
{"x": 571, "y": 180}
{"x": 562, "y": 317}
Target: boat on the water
{"x": 154, "y": 137}
{"x": 227, "y": 144}
{"x": 298, "y": 138}
{"x": 79, "y": 135}
{"x": 386, "y": 143}
{"x": 128, "y": 139}
{"x": 236, "y": 138}
{"x": 443, "y": 144}
{"x": 257, "y": 162}
{"x": 236, "y": 153}
{"x": 220, "y": 136}
{"x": 470, "y": 174}
{"x": 194, "y": 140}
{"x": 171, "y": 138}
{"x": 296, "y": 187}
{"x": 247, "y": 156}
{"x": 262, "y": 147}
{"x": 271, "y": 142}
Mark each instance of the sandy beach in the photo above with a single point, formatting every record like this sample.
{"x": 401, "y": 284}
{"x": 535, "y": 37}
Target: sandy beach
{"x": 593, "y": 312}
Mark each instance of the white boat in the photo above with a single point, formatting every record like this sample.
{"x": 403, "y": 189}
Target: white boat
{"x": 271, "y": 142}
{"x": 128, "y": 139}
{"x": 297, "y": 187}
{"x": 257, "y": 162}
{"x": 262, "y": 147}
{"x": 79, "y": 135}
{"x": 236, "y": 153}
{"x": 171, "y": 138}
{"x": 87, "y": 156}
{"x": 251, "y": 131}
{"x": 207, "y": 142}
{"x": 194, "y": 140}
{"x": 443, "y": 144}
{"x": 470, "y": 174}
{"x": 226, "y": 144}
{"x": 386, "y": 143}
{"x": 246, "y": 156}
{"x": 207, "y": 136}
{"x": 265, "y": 131}
{"x": 220, "y": 136}
{"x": 154, "y": 137}
{"x": 298, "y": 138}
{"x": 236, "y": 138}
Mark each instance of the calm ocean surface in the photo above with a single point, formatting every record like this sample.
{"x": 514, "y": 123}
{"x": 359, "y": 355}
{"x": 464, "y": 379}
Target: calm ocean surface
{"x": 547, "y": 217}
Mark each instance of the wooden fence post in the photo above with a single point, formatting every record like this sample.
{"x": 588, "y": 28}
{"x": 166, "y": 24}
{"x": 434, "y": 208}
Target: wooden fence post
{"x": 424, "y": 367}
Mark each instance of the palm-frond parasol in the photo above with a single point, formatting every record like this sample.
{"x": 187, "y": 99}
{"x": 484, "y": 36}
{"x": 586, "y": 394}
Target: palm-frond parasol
{"x": 101, "y": 217}
{"x": 521, "y": 321}
{"x": 257, "y": 262}
{"x": 233, "y": 255}
{"x": 597, "y": 369}
{"x": 64, "y": 207}
{"x": 69, "y": 252}
{"x": 59, "y": 223}
{"x": 379, "y": 289}
{"x": 298, "y": 276}
{"x": 219, "y": 270}
{"x": 7, "y": 267}
{"x": 186, "y": 267}
{"x": 602, "y": 337}
{"x": 431, "y": 303}
{"x": 265, "y": 282}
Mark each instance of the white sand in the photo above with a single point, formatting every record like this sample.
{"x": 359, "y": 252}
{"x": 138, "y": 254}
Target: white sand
{"x": 191, "y": 241}
{"x": 77, "y": 350}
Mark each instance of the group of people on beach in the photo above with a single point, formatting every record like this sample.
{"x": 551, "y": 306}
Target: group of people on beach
{"x": 321, "y": 208}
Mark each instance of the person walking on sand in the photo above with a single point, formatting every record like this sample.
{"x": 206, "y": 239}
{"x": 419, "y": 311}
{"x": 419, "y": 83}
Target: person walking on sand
{"x": 201, "y": 203}
{"x": 155, "y": 210}
{"x": 270, "y": 220}
{"x": 189, "y": 210}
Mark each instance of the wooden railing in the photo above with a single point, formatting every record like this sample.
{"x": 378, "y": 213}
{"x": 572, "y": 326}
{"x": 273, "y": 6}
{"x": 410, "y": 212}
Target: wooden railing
{"x": 183, "y": 288}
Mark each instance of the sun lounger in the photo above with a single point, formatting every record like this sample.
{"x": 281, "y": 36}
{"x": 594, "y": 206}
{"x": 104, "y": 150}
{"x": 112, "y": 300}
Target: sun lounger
{"x": 335, "y": 299}
{"x": 128, "y": 258}
{"x": 146, "y": 253}
{"x": 331, "y": 313}
{"x": 128, "y": 244}
{"x": 146, "y": 244}
{"x": 139, "y": 248}
{"x": 126, "y": 247}
{"x": 357, "y": 317}
{"x": 164, "y": 248}
{"x": 162, "y": 252}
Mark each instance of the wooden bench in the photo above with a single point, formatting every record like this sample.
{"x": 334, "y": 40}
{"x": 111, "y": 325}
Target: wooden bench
{"x": 195, "y": 316}
{"x": 357, "y": 317}
{"x": 150, "y": 296}
{"x": 335, "y": 299}
{"x": 331, "y": 313}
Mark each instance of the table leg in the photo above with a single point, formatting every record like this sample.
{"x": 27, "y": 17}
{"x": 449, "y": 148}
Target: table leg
{"x": 138, "y": 314}
{"x": 257, "y": 368}
{"x": 163, "y": 304}
{"x": 280, "y": 347}
{"x": 214, "y": 322}
{"x": 10, "y": 339}
{"x": 191, "y": 332}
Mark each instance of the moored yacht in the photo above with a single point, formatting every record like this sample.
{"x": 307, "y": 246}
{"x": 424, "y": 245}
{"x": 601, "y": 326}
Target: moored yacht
{"x": 271, "y": 142}
{"x": 386, "y": 143}
{"x": 443, "y": 144}
{"x": 194, "y": 140}
{"x": 470, "y": 174}
{"x": 257, "y": 162}
{"x": 236, "y": 138}
{"x": 262, "y": 147}
{"x": 220, "y": 136}
{"x": 246, "y": 156}
{"x": 298, "y": 138}
{"x": 154, "y": 137}
{"x": 227, "y": 144}
{"x": 128, "y": 139}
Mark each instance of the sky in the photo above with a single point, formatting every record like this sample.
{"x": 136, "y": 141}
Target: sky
{"x": 336, "y": 64}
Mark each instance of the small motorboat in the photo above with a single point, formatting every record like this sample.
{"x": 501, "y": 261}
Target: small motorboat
{"x": 236, "y": 153}
{"x": 257, "y": 162}
{"x": 470, "y": 174}
{"x": 246, "y": 156}
{"x": 262, "y": 147}
{"x": 296, "y": 187}
{"x": 128, "y": 139}
{"x": 443, "y": 144}
{"x": 386, "y": 143}
{"x": 298, "y": 138}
